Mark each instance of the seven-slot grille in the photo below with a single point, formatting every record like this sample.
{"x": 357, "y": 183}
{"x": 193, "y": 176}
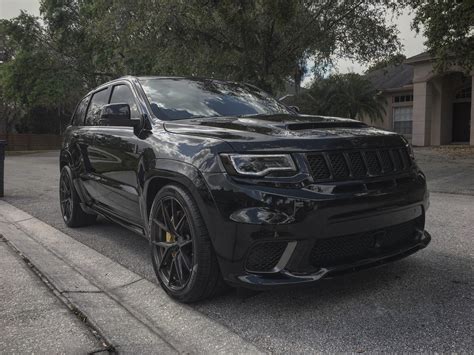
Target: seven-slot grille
{"x": 358, "y": 163}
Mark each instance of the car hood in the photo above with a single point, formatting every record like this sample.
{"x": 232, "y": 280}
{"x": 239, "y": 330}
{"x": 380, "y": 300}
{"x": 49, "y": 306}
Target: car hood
{"x": 286, "y": 132}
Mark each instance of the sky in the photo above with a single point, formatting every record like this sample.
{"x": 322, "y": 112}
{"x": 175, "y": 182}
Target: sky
{"x": 412, "y": 43}
{"x": 11, "y": 8}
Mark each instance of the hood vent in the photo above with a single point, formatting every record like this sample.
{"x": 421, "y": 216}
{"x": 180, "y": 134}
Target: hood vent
{"x": 327, "y": 124}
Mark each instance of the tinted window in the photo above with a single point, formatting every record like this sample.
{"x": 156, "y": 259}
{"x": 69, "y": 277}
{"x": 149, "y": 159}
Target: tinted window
{"x": 78, "y": 118}
{"x": 122, "y": 94}
{"x": 174, "y": 99}
{"x": 99, "y": 99}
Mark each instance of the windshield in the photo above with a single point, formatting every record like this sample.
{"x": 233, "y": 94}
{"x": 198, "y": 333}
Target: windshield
{"x": 175, "y": 99}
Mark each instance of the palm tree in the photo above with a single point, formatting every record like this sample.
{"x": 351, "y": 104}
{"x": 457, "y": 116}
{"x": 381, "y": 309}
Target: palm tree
{"x": 345, "y": 95}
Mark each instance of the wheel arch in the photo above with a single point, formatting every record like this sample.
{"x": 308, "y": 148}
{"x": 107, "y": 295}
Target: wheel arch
{"x": 64, "y": 159}
{"x": 187, "y": 177}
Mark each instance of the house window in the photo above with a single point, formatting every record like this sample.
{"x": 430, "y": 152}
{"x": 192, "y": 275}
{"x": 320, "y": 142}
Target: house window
{"x": 403, "y": 120}
{"x": 403, "y": 98}
{"x": 464, "y": 93}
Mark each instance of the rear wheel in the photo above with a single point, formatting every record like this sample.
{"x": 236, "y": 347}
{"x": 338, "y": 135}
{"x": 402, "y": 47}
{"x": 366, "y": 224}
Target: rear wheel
{"x": 71, "y": 210}
{"x": 182, "y": 254}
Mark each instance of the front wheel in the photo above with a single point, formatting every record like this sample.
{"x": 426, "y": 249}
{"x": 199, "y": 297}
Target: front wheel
{"x": 71, "y": 210}
{"x": 182, "y": 254}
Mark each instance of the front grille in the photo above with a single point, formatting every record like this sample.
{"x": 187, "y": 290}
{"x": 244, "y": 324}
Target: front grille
{"x": 397, "y": 159}
{"x": 318, "y": 166}
{"x": 339, "y": 165}
{"x": 373, "y": 163}
{"x": 264, "y": 256}
{"x": 358, "y": 163}
{"x": 350, "y": 248}
{"x": 386, "y": 159}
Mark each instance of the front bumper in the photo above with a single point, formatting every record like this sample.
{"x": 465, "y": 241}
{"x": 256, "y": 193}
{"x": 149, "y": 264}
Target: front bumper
{"x": 287, "y": 278}
{"x": 300, "y": 219}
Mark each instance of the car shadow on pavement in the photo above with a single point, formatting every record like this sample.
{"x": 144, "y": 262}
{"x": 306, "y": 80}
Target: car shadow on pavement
{"x": 394, "y": 306}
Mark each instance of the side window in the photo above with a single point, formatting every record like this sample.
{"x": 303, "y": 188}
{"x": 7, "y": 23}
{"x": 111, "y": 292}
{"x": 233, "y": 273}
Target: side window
{"x": 122, "y": 94}
{"x": 99, "y": 99}
{"x": 79, "y": 115}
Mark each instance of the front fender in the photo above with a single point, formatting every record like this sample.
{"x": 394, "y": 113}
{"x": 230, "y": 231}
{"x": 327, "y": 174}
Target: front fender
{"x": 168, "y": 171}
{"x": 64, "y": 158}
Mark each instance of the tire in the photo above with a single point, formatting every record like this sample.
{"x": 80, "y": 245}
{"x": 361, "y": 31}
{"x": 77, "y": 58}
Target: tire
{"x": 187, "y": 246}
{"x": 71, "y": 210}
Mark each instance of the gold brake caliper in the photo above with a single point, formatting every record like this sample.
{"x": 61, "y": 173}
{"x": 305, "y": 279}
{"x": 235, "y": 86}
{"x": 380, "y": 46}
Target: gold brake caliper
{"x": 170, "y": 239}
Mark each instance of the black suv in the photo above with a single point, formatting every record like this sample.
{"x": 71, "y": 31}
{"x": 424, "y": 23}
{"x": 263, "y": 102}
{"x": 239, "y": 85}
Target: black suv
{"x": 232, "y": 187}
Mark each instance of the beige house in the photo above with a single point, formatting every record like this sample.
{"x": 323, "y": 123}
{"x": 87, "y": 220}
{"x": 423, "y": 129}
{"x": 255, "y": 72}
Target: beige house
{"x": 429, "y": 108}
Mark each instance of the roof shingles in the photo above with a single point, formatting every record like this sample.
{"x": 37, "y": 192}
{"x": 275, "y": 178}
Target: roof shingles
{"x": 391, "y": 77}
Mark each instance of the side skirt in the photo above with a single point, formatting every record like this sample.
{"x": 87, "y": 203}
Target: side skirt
{"x": 106, "y": 213}
{"x": 89, "y": 206}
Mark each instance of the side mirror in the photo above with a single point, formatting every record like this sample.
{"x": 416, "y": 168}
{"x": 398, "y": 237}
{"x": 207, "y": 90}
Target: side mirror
{"x": 294, "y": 108}
{"x": 117, "y": 115}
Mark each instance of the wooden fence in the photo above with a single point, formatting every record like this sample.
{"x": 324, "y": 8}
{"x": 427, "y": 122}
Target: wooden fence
{"x": 27, "y": 141}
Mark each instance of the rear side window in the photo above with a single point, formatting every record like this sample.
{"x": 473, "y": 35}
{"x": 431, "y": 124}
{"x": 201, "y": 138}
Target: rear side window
{"x": 79, "y": 115}
{"x": 122, "y": 94}
{"x": 99, "y": 99}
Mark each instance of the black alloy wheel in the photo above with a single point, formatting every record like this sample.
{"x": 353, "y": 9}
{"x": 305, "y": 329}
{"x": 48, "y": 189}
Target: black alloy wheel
{"x": 182, "y": 254}
{"x": 173, "y": 244}
{"x": 71, "y": 210}
{"x": 65, "y": 196}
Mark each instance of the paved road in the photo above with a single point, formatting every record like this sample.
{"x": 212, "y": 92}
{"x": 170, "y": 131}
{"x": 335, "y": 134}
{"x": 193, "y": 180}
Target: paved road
{"x": 422, "y": 303}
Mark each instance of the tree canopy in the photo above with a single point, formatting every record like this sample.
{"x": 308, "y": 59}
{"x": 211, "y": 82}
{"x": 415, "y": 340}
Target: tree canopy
{"x": 76, "y": 45}
{"x": 448, "y": 26}
{"x": 343, "y": 95}
{"x": 393, "y": 60}
{"x": 260, "y": 41}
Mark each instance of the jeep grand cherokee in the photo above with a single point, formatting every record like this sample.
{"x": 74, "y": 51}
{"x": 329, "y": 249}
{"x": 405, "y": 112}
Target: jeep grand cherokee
{"x": 232, "y": 187}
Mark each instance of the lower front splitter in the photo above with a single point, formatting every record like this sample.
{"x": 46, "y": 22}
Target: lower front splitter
{"x": 282, "y": 278}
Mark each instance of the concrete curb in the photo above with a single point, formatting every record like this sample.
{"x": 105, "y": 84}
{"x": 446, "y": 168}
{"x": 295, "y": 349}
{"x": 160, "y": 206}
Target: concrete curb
{"x": 34, "y": 318}
{"x": 132, "y": 314}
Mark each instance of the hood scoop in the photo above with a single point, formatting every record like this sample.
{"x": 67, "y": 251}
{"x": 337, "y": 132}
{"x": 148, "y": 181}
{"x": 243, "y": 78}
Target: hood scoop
{"x": 324, "y": 124}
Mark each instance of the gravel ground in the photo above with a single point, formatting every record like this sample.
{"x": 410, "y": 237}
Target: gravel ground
{"x": 422, "y": 303}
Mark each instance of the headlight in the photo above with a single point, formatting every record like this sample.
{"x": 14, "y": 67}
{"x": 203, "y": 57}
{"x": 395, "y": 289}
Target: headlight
{"x": 257, "y": 164}
{"x": 410, "y": 151}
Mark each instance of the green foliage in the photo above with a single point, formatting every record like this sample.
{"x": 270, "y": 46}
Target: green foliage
{"x": 37, "y": 79}
{"x": 79, "y": 44}
{"x": 448, "y": 27}
{"x": 46, "y": 81}
{"x": 393, "y": 60}
{"x": 344, "y": 95}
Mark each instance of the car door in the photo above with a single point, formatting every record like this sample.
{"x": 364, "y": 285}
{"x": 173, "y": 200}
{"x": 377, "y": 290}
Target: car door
{"x": 116, "y": 158}
{"x": 74, "y": 137}
{"x": 90, "y": 156}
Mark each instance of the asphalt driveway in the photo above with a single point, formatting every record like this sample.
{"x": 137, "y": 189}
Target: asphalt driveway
{"x": 422, "y": 303}
{"x": 449, "y": 168}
